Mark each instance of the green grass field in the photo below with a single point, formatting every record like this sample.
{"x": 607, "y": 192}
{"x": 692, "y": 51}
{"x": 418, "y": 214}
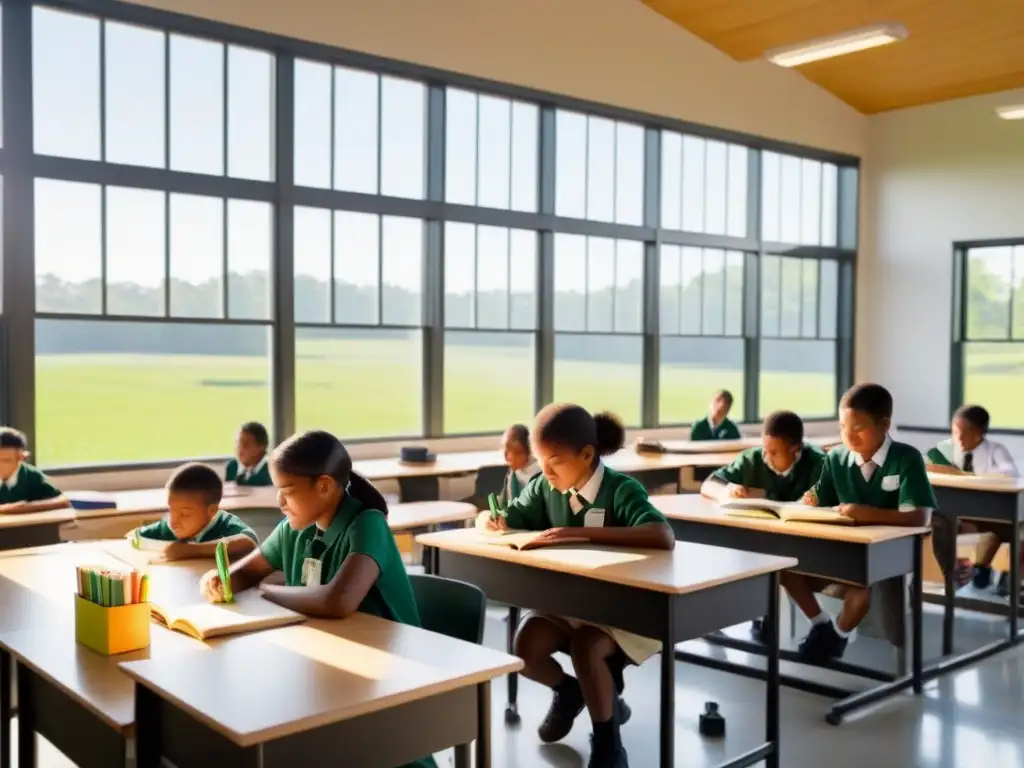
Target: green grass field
{"x": 120, "y": 408}
{"x": 992, "y": 373}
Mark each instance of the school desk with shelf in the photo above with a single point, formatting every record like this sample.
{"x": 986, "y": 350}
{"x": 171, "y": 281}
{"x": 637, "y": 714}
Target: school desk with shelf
{"x": 860, "y": 555}
{"x": 671, "y": 596}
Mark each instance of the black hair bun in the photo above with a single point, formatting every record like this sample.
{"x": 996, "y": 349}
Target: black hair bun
{"x": 611, "y": 435}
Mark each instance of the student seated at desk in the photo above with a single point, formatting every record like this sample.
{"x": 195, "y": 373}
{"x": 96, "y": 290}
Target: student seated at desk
{"x": 515, "y": 444}
{"x": 716, "y": 425}
{"x": 249, "y": 467}
{"x": 873, "y": 480}
{"x": 579, "y": 497}
{"x": 23, "y": 488}
{"x": 784, "y": 468}
{"x": 195, "y": 523}
{"x": 969, "y": 451}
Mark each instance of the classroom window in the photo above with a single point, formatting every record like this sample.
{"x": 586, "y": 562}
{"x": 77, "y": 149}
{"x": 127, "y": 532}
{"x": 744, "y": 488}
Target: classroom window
{"x": 701, "y": 291}
{"x": 799, "y": 199}
{"x": 599, "y": 168}
{"x": 491, "y": 148}
{"x": 488, "y": 380}
{"x": 703, "y": 185}
{"x": 691, "y": 369}
{"x": 798, "y": 376}
{"x": 116, "y": 391}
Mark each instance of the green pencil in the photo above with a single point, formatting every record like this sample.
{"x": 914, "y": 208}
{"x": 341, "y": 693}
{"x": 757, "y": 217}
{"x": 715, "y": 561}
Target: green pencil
{"x": 223, "y": 571}
{"x": 492, "y": 502}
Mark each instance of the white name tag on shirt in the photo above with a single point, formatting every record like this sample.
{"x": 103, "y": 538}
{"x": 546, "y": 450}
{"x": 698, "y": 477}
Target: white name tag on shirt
{"x": 891, "y": 483}
{"x": 311, "y": 572}
{"x": 594, "y": 518}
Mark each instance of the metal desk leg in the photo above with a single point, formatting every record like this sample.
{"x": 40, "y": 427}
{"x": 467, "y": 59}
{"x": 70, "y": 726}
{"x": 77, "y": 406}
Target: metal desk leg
{"x": 5, "y": 709}
{"x": 916, "y": 601}
{"x": 483, "y": 738}
{"x": 26, "y": 719}
{"x": 1014, "y": 580}
{"x": 948, "y": 561}
{"x": 668, "y": 691}
{"x": 771, "y": 723}
{"x": 148, "y": 749}
{"x": 512, "y": 708}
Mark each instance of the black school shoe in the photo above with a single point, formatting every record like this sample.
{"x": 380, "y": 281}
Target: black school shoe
{"x": 566, "y": 705}
{"x": 981, "y": 577}
{"x": 822, "y": 644}
{"x": 760, "y": 631}
{"x": 607, "y": 753}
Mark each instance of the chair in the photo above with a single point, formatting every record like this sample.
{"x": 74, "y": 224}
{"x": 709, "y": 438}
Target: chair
{"x": 489, "y": 480}
{"x": 450, "y": 607}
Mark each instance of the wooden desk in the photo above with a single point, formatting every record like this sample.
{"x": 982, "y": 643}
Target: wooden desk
{"x": 423, "y": 515}
{"x": 861, "y": 555}
{"x": 447, "y": 464}
{"x": 34, "y": 529}
{"x": 737, "y": 446}
{"x": 330, "y": 691}
{"x": 672, "y": 596}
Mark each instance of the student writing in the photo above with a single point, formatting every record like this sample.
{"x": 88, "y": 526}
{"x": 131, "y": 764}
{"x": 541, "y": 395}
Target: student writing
{"x": 577, "y": 496}
{"x": 716, "y": 425}
{"x": 249, "y": 467}
{"x": 23, "y": 488}
{"x": 195, "y": 523}
{"x": 875, "y": 481}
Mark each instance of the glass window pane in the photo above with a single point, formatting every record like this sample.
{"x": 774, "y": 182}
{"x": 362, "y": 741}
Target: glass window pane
{"x": 388, "y": 387}
{"x": 460, "y": 147}
{"x": 989, "y": 283}
{"x": 459, "y": 275}
{"x": 670, "y": 278}
{"x": 736, "y": 217}
{"x": 671, "y": 180}
{"x": 992, "y": 373}
{"x": 523, "y": 279}
{"x": 139, "y": 378}
{"x": 809, "y": 311}
{"x": 734, "y": 293}
{"x": 798, "y": 376}
{"x": 492, "y": 277}
{"x": 714, "y": 292}
{"x": 197, "y": 105}
{"x": 770, "y": 295}
{"x": 716, "y": 176}
{"x": 250, "y": 248}
{"x": 66, "y": 84}
{"x": 525, "y": 137}
{"x": 570, "y": 164}
{"x": 789, "y": 227}
{"x": 136, "y": 252}
{"x": 312, "y": 265}
{"x": 403, "y": 138}
{"x": 600, "y": 169}
{"x": 600, "y": 373}
{"x": 692, "y": 271}
{"x": 629, "y": 174}
{"x": 1018, "y": 292}
{"x": 691, "y": 370}
{"x": 570, "y": 282}
{"x": 495, "y": 152}
{"x": 402, "y": 274}
{"x": 693, "y": 184}
{"x": 69, "y": 248}
{"x": 134, "y": 92}
{"x": 771, "y": 205}
{"x": 829, "y": 277}
{"x": 629, "y": 286}
{"x": 355, "y": 130}
{"x": 250, "y": 114}
{"x": 810, "y": 202}
{"x": 356, "y": 267}
{"x": 197, "y": 256}
{"x": 791, "y": 285}
{"x": 600, "y": 283}
{"x": 312, "y": 124}
{"x": 829, "y": 203}
{"x": 479, "y": 395}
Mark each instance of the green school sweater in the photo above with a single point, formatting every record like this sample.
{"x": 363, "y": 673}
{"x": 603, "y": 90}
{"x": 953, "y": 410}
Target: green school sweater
{"x": 27, "y": 484}
{"x": 941, "y": 455}
{"x": 233, "y": 474}
{"x": 701, "y": 430}
{"x": 901, "y": 482}
{"x": 221, "y": 526}
{"x": 749, "y": 469}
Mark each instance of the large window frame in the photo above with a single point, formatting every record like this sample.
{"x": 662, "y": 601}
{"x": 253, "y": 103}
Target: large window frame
{"x": 20, "y": 167}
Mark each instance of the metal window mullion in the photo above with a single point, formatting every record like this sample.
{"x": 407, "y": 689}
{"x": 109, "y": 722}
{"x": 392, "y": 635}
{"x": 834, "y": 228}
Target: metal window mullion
{"x": 224, "y": 110}
{"x": 103, "y": 98}
{"x": 544, "y": 345}
{"x": 511, "y": 156}
{"x": 380, "y": 132}
{"x": 103, "y": 250}
{"x": 167, "y": 254}
{"x": 433, "y": 278}
{"x": 957, "y": 340}
{"x": 225, "y": 267}
{"x": 752, "y": 277}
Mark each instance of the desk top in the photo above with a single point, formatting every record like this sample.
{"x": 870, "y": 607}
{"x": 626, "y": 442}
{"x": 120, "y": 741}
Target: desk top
{"x": 696, "y": 509}
{"x": 688, "y": 568}
{"x": 154, "y": 500}
{"x": 53, "y": 517}
{"x": 317, "y": 673}
{"x": 420, "y": 514}
{"x": 985, "y": 483}
{"x": 464, "y": 462}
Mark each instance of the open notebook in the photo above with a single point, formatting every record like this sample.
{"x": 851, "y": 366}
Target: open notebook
{"x": 789, "y": 512}
{"x": 523, "y": 540}
{"x": 203, "y": 620}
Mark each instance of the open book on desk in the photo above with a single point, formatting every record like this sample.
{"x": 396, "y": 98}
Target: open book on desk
{"x": 524, "y": 540}
{"x": 787, "y": 511}
{"x": 203, "y": 620}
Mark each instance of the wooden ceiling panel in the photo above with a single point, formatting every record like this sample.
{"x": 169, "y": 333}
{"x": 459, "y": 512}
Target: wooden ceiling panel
{"x": 955, "y": 48}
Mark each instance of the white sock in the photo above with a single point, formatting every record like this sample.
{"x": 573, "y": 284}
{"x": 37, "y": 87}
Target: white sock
{"x": 844, "y": 635}
{"x": 821, "y": 618}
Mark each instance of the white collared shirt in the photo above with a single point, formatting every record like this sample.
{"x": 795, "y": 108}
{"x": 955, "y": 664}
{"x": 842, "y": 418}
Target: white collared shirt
{"x": 244, "y": 472}
{"x": 526, "y": 474}
{"x": 12, "y": 481}
{"x": 589, "y": 490}
{"x": 989, "y": 458}
{"x": 879, "y": 456}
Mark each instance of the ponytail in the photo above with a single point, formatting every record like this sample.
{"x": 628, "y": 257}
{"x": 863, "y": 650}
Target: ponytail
{"x": 572, "y": 426}
{"x": 610, "y": 433}
{"x": 366, "y": 493}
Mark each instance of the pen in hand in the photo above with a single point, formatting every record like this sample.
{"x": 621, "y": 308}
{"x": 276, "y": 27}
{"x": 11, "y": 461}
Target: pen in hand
{"x": 492, "y": 502}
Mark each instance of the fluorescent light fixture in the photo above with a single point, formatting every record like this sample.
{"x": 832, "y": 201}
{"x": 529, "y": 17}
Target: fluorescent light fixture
{"x": 1011, "y": 113}
{"x": 837, "y": 45}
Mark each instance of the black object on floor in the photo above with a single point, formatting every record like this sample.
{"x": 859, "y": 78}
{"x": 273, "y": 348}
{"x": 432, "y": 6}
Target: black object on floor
{"x": 712, "y": 724}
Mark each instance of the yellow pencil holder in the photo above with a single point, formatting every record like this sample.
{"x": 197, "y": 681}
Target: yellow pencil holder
{"x": 114, "y": 630}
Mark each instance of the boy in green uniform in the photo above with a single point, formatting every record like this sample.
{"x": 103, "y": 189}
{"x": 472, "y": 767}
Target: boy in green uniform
{"x": 716, "y": 425}
{"x": 578, "y": 497}
{"x": 334, "y": 546}
{"x": 195, "y": 523}
{"x": 784, "y": 468}
{"x": 23, "y": 488}
{"x": 873, "y": 480}
{"x": 249, "y": 467}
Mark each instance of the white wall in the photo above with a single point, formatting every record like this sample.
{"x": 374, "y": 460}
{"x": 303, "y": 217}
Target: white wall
{"x": 937, "y": 174}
